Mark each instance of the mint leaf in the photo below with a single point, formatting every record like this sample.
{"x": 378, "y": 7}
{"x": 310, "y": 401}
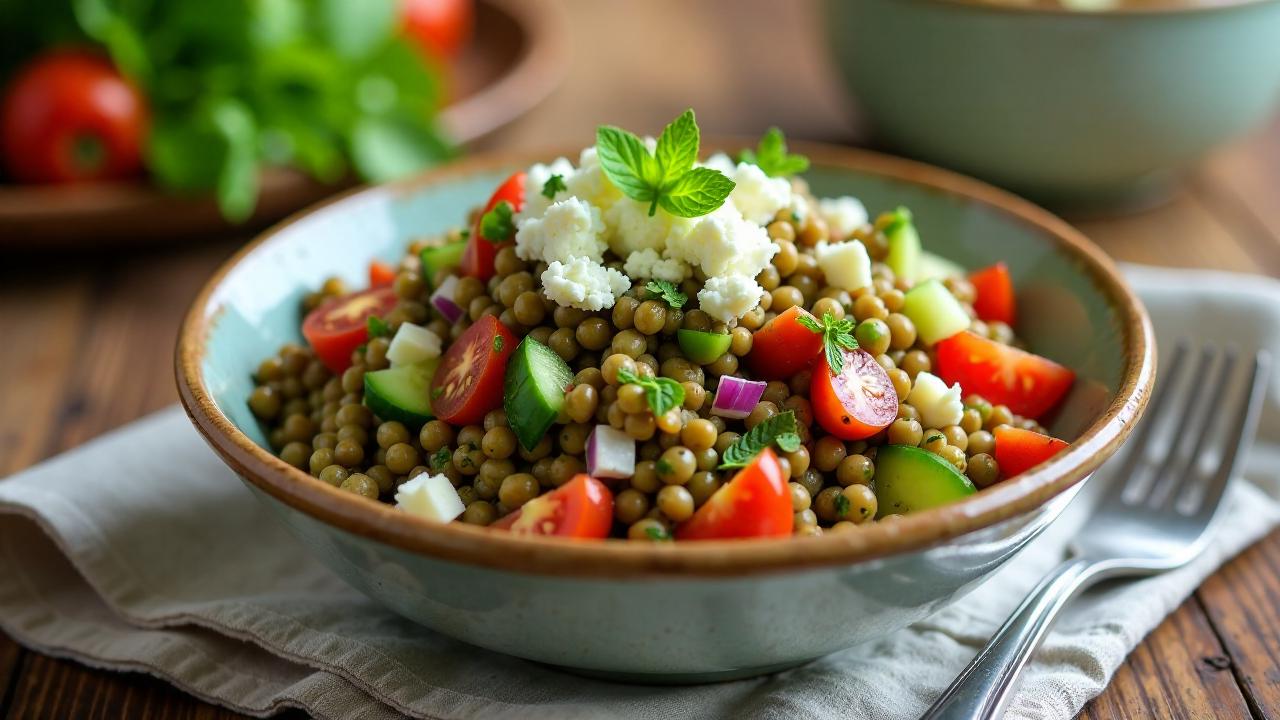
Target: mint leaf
{"x": 678, "y": 146}
{"x": 837, "y": 335}
{"x": 377, "y": 327}
{"x": 809, "y": 322}
{"x": 662, "y": 393}
{"x": 789, "y": 442}
{"x": 627, "y": 163}
{"x": 696, "y": 193}
{"x": 553, "y": 185}
{"x": 667, "y": 290}
{"x": 772, "y": 157}
{"x": 496, "y": 226}
{"x": 778, "y": 429}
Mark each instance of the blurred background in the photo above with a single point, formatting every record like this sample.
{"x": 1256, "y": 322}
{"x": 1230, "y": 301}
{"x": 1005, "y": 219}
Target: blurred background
{"x": 144, "y": 141}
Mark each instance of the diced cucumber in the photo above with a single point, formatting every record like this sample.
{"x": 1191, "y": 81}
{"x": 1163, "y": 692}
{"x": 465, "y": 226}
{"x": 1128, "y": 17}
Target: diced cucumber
{"x": 935, "y": 266}
{"x": 934, "y": 311}
{"x": 908, "y": 479}
{"x": 435, "y": 259}
{"x": 703, "y": 347}
{"x": 402, "y": 393}
{"x": 534, "y": 390}
{"x": 904, "y": 246}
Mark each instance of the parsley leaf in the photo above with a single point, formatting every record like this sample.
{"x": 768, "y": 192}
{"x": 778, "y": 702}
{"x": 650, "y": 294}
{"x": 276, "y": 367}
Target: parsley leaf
{"x": 657, "y": 533}
{"x": 842, "y": 505}
{"x": 440, "y": 458}
{"x": 837, "y": 336}
{"x": 666, "y": 177}
{"x": 662, "y": 393}
{"x": 553, "y": 185}
{"x": 772, "y": 157}
{"x": 377, "y": 327}
{"x": 667, "y": 290}
{"x": 497, "y": 226}
{"x": 780, "y": 428}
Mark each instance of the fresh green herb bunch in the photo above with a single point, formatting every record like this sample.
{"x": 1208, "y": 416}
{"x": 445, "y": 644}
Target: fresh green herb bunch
{"x": 326, "y": 86}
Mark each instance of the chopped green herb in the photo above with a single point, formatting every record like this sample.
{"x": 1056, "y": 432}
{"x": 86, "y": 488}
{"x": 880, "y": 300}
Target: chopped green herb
{"x": 777, "y": 429}
{"x": 772, "y": 157}
{"x": 662, "y": 393}
{"x": 935, "y": 436}
{"x": 362, "y": 347}
{"x": 668, "y": 291}
{"x": 663, "y": 467}
{"x": 497, "y": 343}
{"x": 842, "y": 505}
{"x": 440, "y": 458}
{"x": 497, "y": 226}
{"x": 837, "y": 335}
{"x": 666, "y": 177}
{"x": 553, "y": 185}
{"x": 377, "y": 327}
{"x": 789, "y": 442}
{"x": 657, "y": 533}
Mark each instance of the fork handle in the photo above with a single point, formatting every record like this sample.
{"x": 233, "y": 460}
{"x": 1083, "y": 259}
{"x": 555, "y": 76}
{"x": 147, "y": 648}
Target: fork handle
{"x": 985, "y": 687}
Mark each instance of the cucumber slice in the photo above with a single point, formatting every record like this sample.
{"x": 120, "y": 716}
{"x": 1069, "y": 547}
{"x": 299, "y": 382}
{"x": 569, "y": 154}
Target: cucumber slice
{"x": 934, "y": 311}
{"x": 534, "y": 390}
{"x": 935, "y": 266}
{"x": 435, "y": 259}
{"x": 909, "y": 479}
{"x": 402, "y": 393}
{"x": 703, "y": 347}
{"x": 904, "y": 246}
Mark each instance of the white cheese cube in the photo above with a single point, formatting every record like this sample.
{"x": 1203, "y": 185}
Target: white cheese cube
{"x": 412, "y": 344}
{"x": 430, "y": 496}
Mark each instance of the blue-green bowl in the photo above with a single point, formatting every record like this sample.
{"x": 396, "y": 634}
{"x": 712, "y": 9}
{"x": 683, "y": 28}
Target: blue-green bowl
{"x": 1080, "y": 110}
{"x": 689, "y": 611}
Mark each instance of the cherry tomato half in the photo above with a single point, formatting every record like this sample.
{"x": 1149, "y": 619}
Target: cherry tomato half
{"x": 339, "y": 326}
{"x": 1018, "y": 450}
{"x": 468, "y": 383}
{"x": 755, "y": 503}
{"x": 1029, "y": 384}
{"x": 784, "y": 347}
{"x": 857, "y": 403}
{"x": 995, "y": 297}
{"x": 70, "y": 116}
{"x": 581, "y": 508}
{"x": 478, "y": 257}
{"x": 439, "y": 27}
{"x": 381, "y": 274}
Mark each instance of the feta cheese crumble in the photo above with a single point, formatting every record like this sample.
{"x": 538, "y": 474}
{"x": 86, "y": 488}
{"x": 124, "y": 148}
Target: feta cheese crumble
{"x": 843, "y": 215}
{"x": 535, "y": 203}
{"x": 412, "y": 344}
{"x": 583, "y": 284}
{"x": 431, "y": 497}
{"x": 725, "y": 243}
{"x": 571, "y": 228}
{"x": 938, "y": 405}
{"x": 728, "y": 297}
{"x": 648, "y": 264}
{"x": 846, "y": 265}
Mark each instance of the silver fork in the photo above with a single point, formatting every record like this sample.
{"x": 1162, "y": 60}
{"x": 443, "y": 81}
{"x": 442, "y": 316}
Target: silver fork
{"x": 1156, "y": 514}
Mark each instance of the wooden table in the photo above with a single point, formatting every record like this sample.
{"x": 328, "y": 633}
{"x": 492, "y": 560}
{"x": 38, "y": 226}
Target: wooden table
{"x": 89, "y": 335}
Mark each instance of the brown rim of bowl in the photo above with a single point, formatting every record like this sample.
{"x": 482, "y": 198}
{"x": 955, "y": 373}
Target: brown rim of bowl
{"x": 1153, "y": 7}
{"x": 460, "y": 543}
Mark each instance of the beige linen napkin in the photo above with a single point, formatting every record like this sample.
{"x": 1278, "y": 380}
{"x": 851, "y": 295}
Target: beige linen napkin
{"x": 140, "y": 551}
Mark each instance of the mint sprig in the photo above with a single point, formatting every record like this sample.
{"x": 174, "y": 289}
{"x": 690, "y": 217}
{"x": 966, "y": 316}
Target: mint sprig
{"x": 837, "y": 335}
{"x": 553, "y": 185}
{"x": 772, "y": 157}
{"x": 662, "y": 393}
{"x": 780, "y": 429}
{"x": 666, "y": 177}
{"x": 496, "y": 226}
{"x": 667, "y": 290}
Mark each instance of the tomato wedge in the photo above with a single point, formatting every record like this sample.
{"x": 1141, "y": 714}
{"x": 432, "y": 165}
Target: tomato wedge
{"x": 478, "y": 257}
{"x": 468, "y": 383}
{"x": 755, "y": 503}
{"x": 995, "y": 298}
{"x": 340, "y": 325}
{"x": 1029, "y": 384}
{"x": 581, "y": 508}
{"x": 1018, "y": 450}
{"x": 381, "y": 274}
{"x": 857, "y": 403}
{"x": 784, "y": 347}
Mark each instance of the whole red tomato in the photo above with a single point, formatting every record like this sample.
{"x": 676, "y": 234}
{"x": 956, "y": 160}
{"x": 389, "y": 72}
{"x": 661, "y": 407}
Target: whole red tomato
{"x": 69, "y": 116}
{"x": 440, "y": 27}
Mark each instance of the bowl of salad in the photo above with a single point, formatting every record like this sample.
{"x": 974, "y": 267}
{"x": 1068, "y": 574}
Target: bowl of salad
{"x": 742, "y": 404}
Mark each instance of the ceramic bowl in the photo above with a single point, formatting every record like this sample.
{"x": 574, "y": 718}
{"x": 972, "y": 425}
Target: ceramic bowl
{"x": 675, "y": 612}
{"x": 1080, "y": 110}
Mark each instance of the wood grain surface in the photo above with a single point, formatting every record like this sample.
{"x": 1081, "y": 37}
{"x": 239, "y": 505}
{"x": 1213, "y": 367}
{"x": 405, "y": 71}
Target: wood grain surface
{"x": 91, "y": 334}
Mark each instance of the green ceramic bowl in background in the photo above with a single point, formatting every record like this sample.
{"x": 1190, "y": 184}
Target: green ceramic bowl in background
{"x": 1080, "y": 110}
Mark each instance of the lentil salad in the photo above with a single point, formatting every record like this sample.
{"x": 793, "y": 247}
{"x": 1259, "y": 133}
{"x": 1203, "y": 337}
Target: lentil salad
{"x": 651, "y": 347}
